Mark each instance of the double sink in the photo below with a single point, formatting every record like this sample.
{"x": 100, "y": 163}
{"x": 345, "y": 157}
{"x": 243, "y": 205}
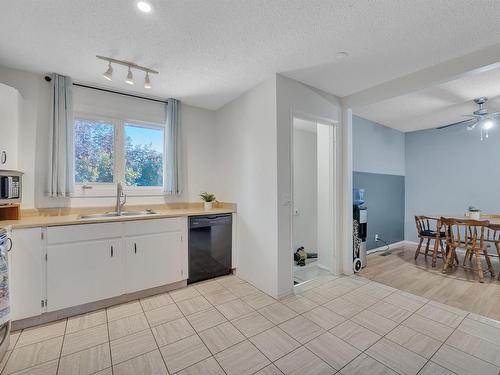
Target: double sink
{"x": 112, "y": 215}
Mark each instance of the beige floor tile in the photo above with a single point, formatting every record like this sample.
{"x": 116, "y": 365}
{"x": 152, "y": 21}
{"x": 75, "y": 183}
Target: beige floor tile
{"x": 362, "y": 299}
{"x": 229, "y": 280}
{"x": 356, "y": 335}
{"x": 390, "y": 311}
{"x": 440, "y": 315}
{"x": 334, "y": 351}
{"x": 277, "y": 313}
{"x": 396, "y": 357}
{"x": 170, "y": 332}
{"x": 234, "y": 309}
{"x": 47, "y": 368}
{"x": 4, "y": 360}
{"x": 32, "y": 355}
{"x": 210, "y": 286}
{"x": 315, "y": 297}
{"x": 221, "y": 337}
{"x": 415, "y": 341}
{"x": 149, "y": 363}
{"x": 107, "y": 371}
{"x": 163, "y": 314}
{"x": 14, "y": 336}
{"x": 84, "y": 321}
{"x": 331, "y": 292}
{"x": 127, "y": 326}
{"x": 123, "y": 310}
{"x": 258, "y": 300}
{"x": 242, "y": 289}
{"x": 154, "y": 302}
{"x": 364, "y": 365}
{"x": 193, "y": 305}
{"x": 479, "y": 318}
{"x": 208, "y": 366}
{"x": 485, "y": 350}
{"x": 252, "y": 324}
{"x": 269, "y": 370}
{"x": 301, "y": 329}
{"x": 479, "y": 329}
{"x": 242, "y": 359}
{"x": 84, "y": 339}
{"x": 274, "y": 343}
{"x": 206, "y": 319}
{"x": 41, "y": 333}
{"x": 432, "y": 368}
{"x": 428, "y": 327}
{"x": 219, "y": 297}
{"x": 405, "y": 301}
{"x": 85, "y": 362}
{"x": 374, "y": 322}
{"x": 132, "y": 346}
{"x": 343, "y": 307}
{"x": 462, "y": 363}
{"x": 184, "y": 353}
{"x": 184, "y": 293}
{"x": 376, "y": 290}
{"x": 324, "y": 317}
{"x": 301, "y": 362}
{"x": 299, "y": 304}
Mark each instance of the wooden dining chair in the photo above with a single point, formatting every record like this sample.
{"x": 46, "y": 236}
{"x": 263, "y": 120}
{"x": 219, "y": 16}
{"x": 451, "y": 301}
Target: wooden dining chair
{"x": 492, "y": 238}
{"x": 469, "y": 234}
{"x": 427, "y": 231}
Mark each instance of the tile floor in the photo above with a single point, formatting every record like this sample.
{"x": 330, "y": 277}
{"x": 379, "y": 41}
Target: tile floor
{"x": 346, "y": 325}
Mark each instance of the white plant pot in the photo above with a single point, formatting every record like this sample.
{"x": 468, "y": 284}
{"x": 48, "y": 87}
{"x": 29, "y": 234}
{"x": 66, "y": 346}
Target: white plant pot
{"x": 208, "y": 205}
{"x": 474, "y": 215}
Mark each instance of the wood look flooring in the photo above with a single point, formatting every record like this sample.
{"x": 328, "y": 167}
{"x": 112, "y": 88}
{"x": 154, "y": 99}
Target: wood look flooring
{"x": 458, "y": 288}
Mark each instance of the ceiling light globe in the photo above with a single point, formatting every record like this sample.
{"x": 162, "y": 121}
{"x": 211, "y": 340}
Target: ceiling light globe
{"x": 487, "y": 124}
{"x": 108, "y": 74}
{"x": 130, "y": 77}
{"x": 144, "y": 6}
{"x": 147, "y": 81}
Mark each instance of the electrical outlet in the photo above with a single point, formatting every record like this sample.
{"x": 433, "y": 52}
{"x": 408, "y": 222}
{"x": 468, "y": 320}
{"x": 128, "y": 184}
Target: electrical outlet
{"x": 376, "y": 237}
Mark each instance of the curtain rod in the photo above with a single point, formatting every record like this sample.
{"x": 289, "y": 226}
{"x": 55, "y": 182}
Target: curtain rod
{"x": 48, "y": 79}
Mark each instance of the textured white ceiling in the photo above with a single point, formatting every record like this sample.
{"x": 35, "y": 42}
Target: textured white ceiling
{"x": 210, "y": 51}
{"x": 438, "y": 105}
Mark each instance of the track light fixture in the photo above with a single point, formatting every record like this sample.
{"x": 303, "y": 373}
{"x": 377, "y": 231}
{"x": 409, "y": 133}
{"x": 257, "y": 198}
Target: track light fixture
{"x": 130, "y": 76}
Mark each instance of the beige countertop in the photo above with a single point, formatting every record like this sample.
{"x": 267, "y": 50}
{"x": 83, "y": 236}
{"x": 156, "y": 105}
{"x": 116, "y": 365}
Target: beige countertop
{"x": 70, "y": 216}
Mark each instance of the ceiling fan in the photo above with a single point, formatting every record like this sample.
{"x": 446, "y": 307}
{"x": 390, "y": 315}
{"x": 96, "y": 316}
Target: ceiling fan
{"x": 479, "y": 117}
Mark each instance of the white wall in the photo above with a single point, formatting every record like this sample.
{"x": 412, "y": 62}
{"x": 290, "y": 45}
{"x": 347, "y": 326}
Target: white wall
{"x": 198, "y": 138}
{"x": 305, "y": 189}
{"x": 246, "y": 174}
{"x": 294, "y": 98}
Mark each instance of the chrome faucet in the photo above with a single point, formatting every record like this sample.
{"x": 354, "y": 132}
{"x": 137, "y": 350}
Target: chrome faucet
{"x": 119, "y": 195}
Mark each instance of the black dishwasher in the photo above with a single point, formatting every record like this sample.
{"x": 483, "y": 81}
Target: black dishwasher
{"x": 210, "y": 244}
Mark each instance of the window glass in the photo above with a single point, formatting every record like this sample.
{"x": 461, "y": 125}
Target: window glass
{"x": 94, "y": 152}
{"x": 143, "y": 155}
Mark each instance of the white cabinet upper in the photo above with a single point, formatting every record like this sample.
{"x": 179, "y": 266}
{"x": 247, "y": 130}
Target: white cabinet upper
{"x": 10, "y": 112}
{"x": 26, "y": 273}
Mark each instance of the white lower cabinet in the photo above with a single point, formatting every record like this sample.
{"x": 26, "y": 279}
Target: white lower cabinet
{"x": 26, "y": 273}
{"x": 84, "y": 272}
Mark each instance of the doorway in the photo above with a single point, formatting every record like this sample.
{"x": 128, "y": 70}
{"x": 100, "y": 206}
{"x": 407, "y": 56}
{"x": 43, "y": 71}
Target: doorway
{"x": 313, "y": 220}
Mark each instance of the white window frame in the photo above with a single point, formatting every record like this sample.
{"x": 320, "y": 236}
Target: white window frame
{"x": 106, "y": 189}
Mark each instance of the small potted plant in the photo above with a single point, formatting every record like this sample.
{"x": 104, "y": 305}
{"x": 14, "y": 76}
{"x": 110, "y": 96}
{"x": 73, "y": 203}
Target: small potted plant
{"x": 474, "y": 213}
{"x": 208, "y": 199}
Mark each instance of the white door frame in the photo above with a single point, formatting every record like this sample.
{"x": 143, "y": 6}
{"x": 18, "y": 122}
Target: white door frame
{"x": 335, "y": 266}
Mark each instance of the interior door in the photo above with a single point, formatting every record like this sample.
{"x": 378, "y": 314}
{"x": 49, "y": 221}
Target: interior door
{"x": 84, "y": 272}
{"x": 153, "y": 260}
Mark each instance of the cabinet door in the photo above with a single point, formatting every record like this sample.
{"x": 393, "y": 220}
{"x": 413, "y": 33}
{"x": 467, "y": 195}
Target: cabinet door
{"x": 10, "y": 102}
{"x": 83, "y": 272}
{"x": 26, "y": 273}
{"x": 154, "y": 260}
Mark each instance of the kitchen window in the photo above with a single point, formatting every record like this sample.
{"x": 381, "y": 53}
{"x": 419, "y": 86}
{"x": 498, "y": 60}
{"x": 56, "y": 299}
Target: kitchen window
{"x": 112, "y": 150}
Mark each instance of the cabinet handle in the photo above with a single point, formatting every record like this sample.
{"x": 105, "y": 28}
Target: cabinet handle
{"x": 135, "y": 248}
{"x": 3, "y": 158}
{"x": 111, "y": 251}
{"x": 9, "y": 241}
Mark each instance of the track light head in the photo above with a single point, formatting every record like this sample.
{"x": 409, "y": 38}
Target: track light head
{"x": 130, "y": 77}
{"x": 147, "y": 81}
{"x": 108, "y": 74}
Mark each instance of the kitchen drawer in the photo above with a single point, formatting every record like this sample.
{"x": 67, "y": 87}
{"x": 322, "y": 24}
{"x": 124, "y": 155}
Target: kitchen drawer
{"x": 83, "y": 232}
{"x": 151, "y": 226}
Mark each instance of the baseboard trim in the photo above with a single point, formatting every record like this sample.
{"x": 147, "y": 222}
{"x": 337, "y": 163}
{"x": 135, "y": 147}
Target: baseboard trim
{"x": 391, "y": 246}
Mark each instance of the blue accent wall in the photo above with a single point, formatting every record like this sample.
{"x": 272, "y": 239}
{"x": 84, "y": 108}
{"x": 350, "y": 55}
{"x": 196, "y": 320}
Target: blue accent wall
{"x": 385, "y": 201}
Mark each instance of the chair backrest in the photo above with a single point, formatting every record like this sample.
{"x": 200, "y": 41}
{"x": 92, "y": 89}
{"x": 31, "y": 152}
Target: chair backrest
{"x": 465, "y": 232}
{"x": 425, "y": 223}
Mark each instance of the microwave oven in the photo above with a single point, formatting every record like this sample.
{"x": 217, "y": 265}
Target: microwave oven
{"x": 10, "y": 187}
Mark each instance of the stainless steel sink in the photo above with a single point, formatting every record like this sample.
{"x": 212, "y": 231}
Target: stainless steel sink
{"x": 111, "y": 215}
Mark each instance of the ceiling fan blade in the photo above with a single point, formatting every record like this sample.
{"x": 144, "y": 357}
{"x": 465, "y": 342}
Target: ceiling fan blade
{"x": 470, "y": 122}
